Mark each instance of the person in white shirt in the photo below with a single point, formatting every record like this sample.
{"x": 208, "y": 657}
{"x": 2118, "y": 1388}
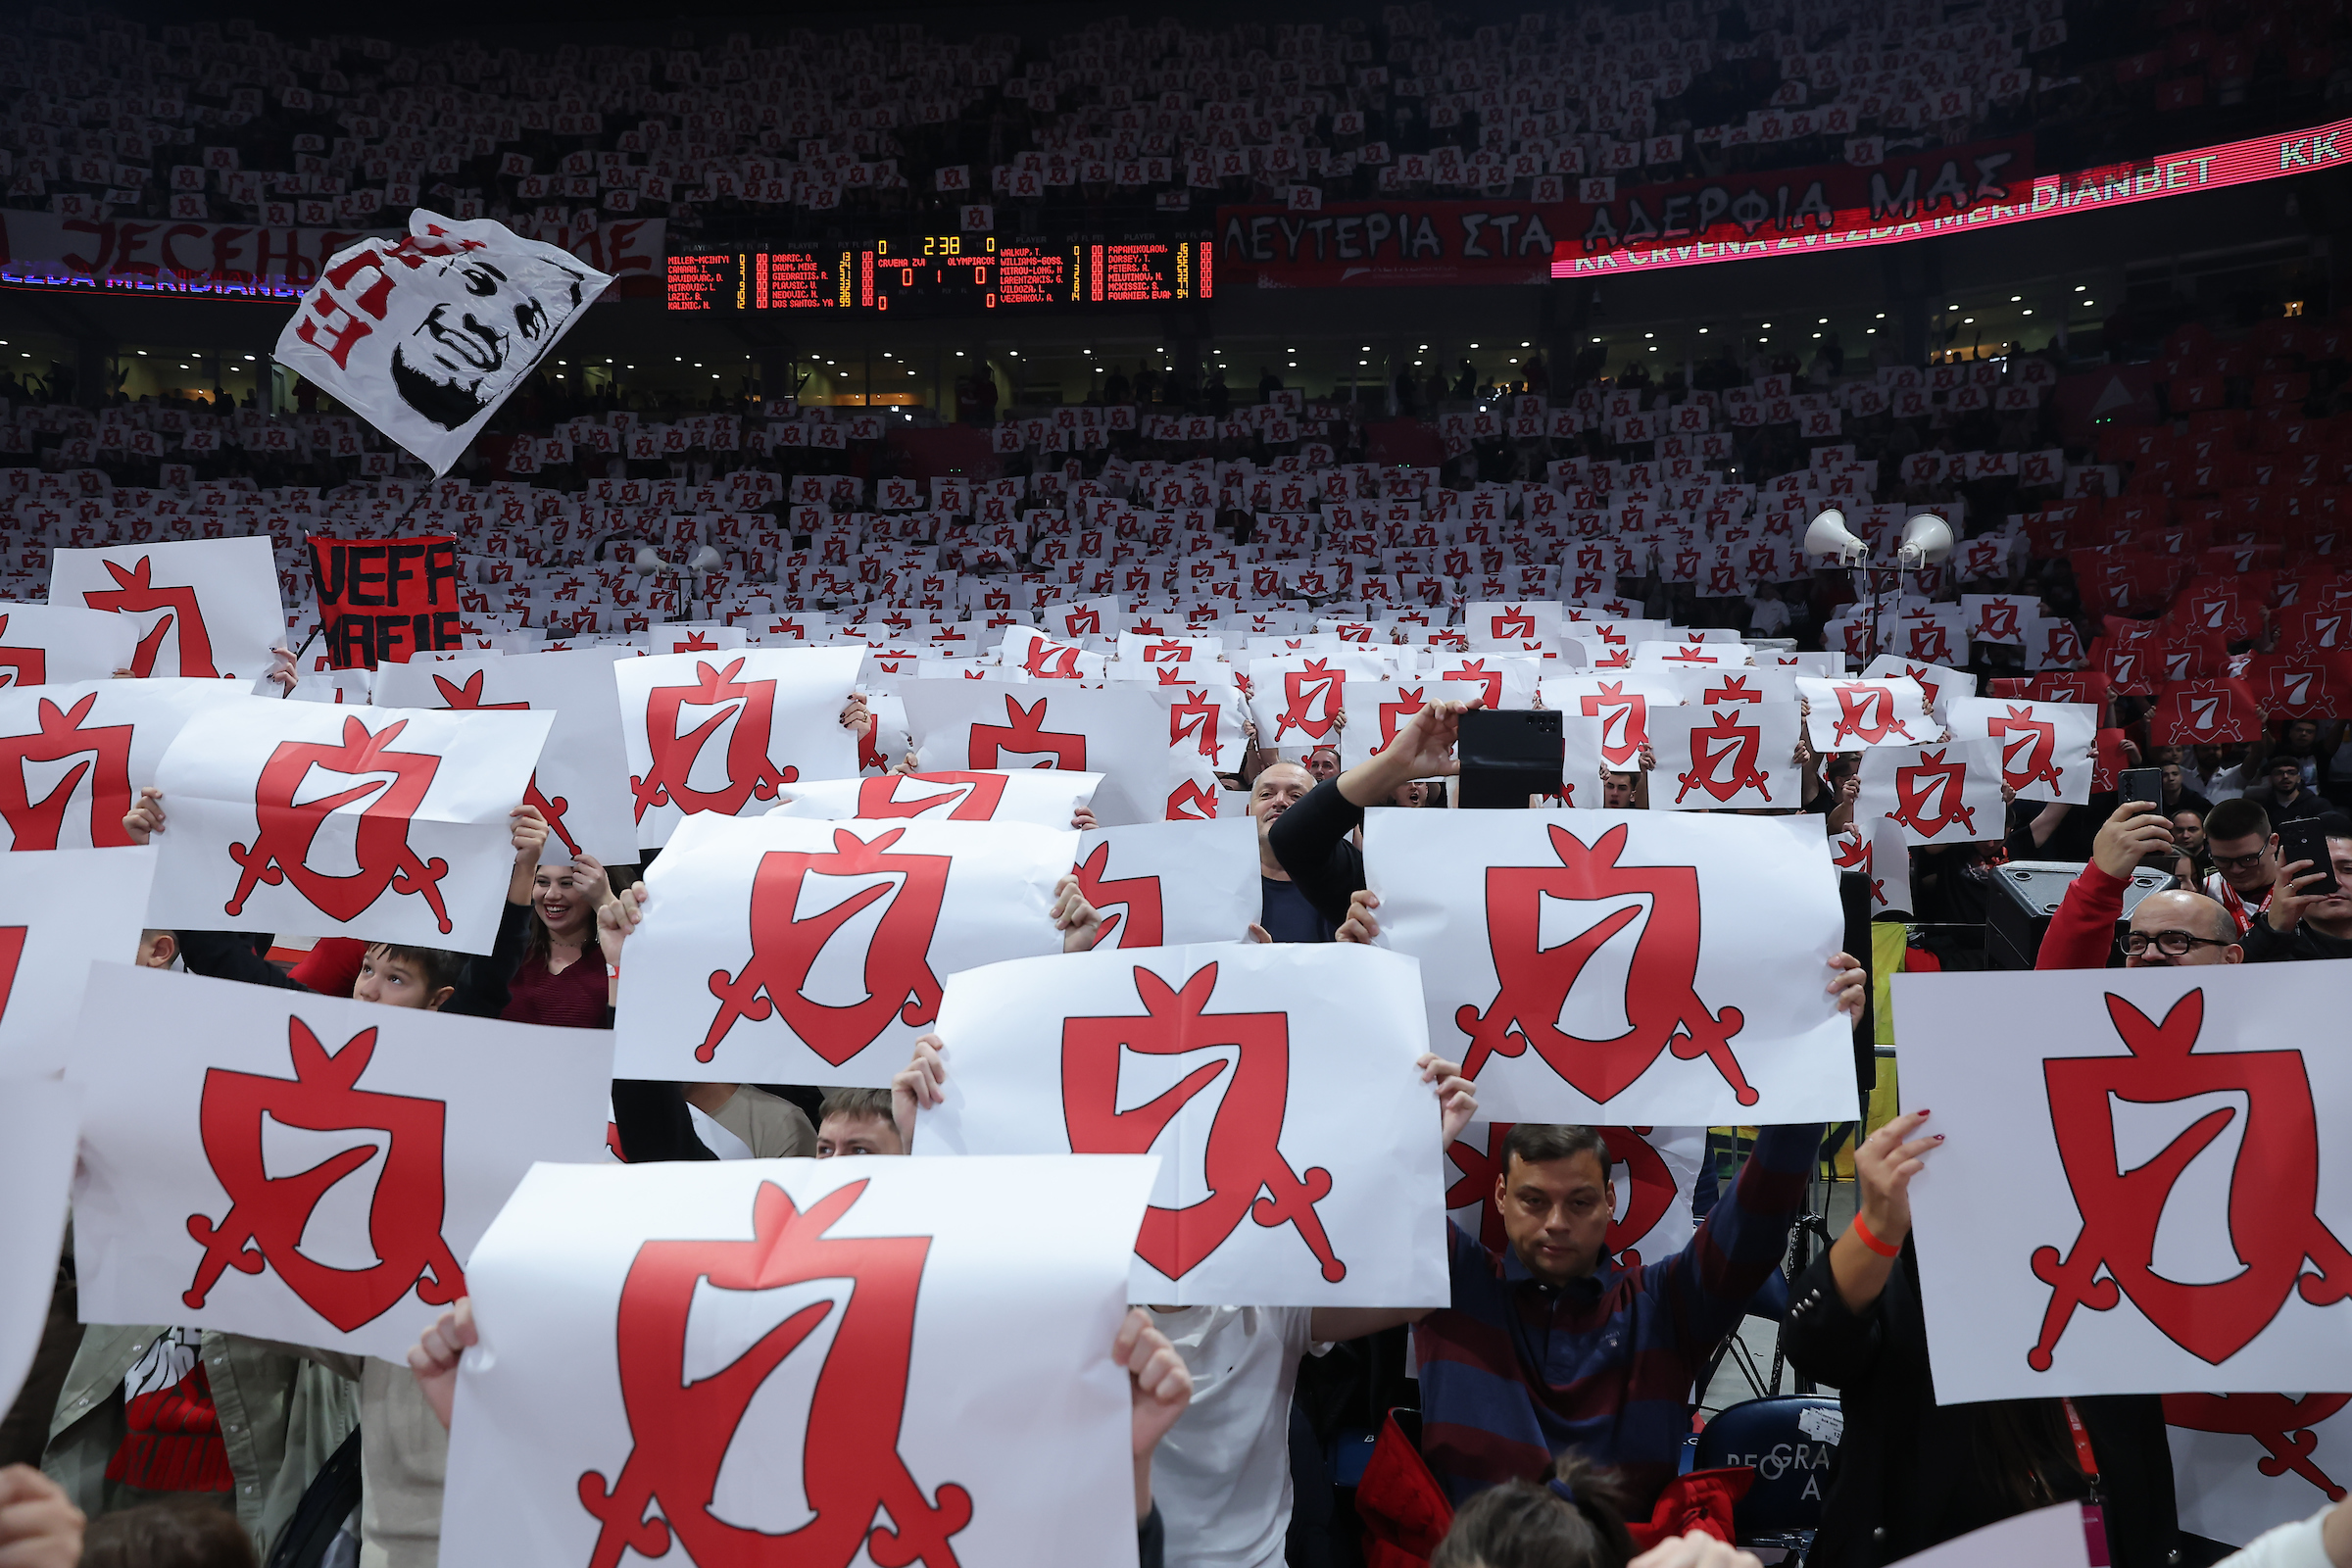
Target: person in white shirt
{"x": 1766, "y": 615}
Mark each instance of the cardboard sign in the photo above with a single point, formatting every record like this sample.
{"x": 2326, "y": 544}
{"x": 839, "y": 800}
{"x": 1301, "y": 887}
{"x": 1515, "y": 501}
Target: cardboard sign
{"x": 44, "y": 643}
{"x": 1948, "y": 793}
{"x": 1165, "y": 884}
{"x": 1651, "y": 1171}
{"x": 724, "y": 733}
{"x": 204, "y": 609}
{"x": 1602, "y": 939}
{"x": 1281, "y": 1070}
{"x": 834, "y": 1361}
{"x": 40, "y": 1121}
{"x": 2132, "y": 1198}
{"x": 1050, "y": 797}
{"x": 68, "y": 909}
{"x": 425, "y": 336}
{"x": 2045, "y": 748}
{"x": 384, "y": 824}
{"x": 73, "y": 758}
{"x": 779, "y": 950}
{"x": 381, "y": 600}
{"x": 302, "y": 1167}
{"x": 1732, "y": 757}
{"x": 581, "y": 785}
{"x": 1121, "y": 731}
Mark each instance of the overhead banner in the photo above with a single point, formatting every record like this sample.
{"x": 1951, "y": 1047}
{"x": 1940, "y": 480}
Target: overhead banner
{"x": 1287, "y": 1070}
{"x": 2143, "y": 1186}
{"x": 381, "y": 600}
{"x": 799, "y": 1361}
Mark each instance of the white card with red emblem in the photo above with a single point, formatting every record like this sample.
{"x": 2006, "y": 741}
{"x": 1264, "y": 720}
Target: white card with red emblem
{"x": 300, "y": 1167}
{"x": 73, "y": 907}
{"x": 1164, "y": 884}
{"x": 204, "y": 609}
{"x": 1651, "y": 1171}
{"x": 38, "y": 1121}
{"x": 73, "y": 758}
{"x": 782, "y": 949}
{"x": 1298, "y": 700}
{"x": 1046, "y": 797}
{"x": 2045, "y": 748}
{"x": 1127, "y": 732}
{"x": 581, "y": 783}
{"x": 2244, "y": 1463}
{"x": 1298, "y": 1147}
{"x": 1948, "y": 793}
{"x": 44, "y": 643}
{"x": 725, "y": 734}
{"x": 390, "y": 824}
{"x": 2147, "y": 1182}
{"x": 1853, "y": 715}
{"x": 1665, "y": 967}
{"x": 1729, "y": 758}
{"x": 817, "y": 1361}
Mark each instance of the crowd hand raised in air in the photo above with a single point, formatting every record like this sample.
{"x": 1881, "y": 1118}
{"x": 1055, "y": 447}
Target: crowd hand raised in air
{"x": 146, "y": 816}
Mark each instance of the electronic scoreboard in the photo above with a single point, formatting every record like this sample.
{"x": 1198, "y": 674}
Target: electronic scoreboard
{"x": 944, "y": 275}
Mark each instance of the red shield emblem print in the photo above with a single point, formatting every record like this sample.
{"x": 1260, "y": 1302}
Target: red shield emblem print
{"x": 1393, "y": 714}
{"x": 1476, "y": 670}
{"x": 2274, "y": 1222}
{"x": 1193, "y": 718}
{"x": 21, "y": 667}
{"x": 467, "y": 697}
{"x": 1314, "y": 696}
{"x": 1723, "y": 760}
{"x": 674, "y": 754}
{"x": 1866, "y": 714}
{"x": 1048, "y": 663}
{"x": 1928, "y": 796}
{"x": 104, "y": 768}
{"x": 289, "y": 813}
{"x": 269, "y": 1214}
{"x": 1996, "y": 622}
{"x": 1130, "y": 905}
{"x": 1242, "y": 1156}
{"x": 2279, "y": 1422}
{"x": 793, "y": 917}
{"x": 2029, "y": 748}
{"x": 1662, "y": 1004}
{"x": 135, "y": 593}
{"x": 954, "y": 797}
{"x": 1731, "y": 689}
{"x": 1514, "y": 621}
{"x": 1624, "y": 721}
{"x": 1024, "y": 735}
{"x": 682, "y": 1421}
{"x": 1931, "y": 641}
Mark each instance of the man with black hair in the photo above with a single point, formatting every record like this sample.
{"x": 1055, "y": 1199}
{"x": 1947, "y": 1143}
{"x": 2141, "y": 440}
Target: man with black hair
{"x": 2240, "y": 841}
{"x": 441, "y": 370}
{"x": 2303, "y": 922}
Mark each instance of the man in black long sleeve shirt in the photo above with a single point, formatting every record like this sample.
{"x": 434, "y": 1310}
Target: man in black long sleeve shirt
{"x": 1309, "y": 839}
{"x": 1288, "y": 911}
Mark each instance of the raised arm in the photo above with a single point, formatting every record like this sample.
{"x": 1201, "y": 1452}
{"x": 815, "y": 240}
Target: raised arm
{"x": 1457, "y": 1108}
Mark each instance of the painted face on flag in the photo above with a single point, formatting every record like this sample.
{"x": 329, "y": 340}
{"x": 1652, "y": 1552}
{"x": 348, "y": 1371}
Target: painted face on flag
{"x": 439, "y": 371}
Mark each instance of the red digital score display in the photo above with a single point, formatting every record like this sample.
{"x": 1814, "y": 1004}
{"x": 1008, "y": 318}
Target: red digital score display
{"x": 944, "y": 275}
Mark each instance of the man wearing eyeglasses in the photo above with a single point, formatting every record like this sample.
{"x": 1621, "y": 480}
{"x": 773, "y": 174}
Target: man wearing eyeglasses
{"x": 2239, "y": 842}
{"x": 2306, "y": 921}
{"x": 2167, "y": 928}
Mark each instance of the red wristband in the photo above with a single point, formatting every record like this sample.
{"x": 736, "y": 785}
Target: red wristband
{"x": 1862, "y": 1233}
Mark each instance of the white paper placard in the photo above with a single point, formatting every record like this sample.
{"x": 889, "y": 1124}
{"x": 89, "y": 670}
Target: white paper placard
{"x": 829, "y": 1362}
{"x": 1602, "y": 939}
{"x": 339, "y": 1158}
{"x": 390, "y": 824}
{"x": 2213, "y": 1091}
{"x": 725, "y": 734}
{"x": 581, "y": 783}
{"x": 44, "y": 643}
{"x": 70, "y": 908}
{"x": 1651, "y": 1171}
{"x": 1621, "y": 703}
{"x": 1948, "y": 793}
{"x": 1125, "y": 731}
{"x": 1732, "y": 757}
{"x": 1165, "y": 884}
{"x": 1938, "y": 684}
{"x": 2047, "y": 1538}
{"x": 2045, "y": 748}
{"x": 782, "y": 949}
{"x": 73, "y": 758}
{"x": 40, "y": 1119}
{"x": 1047, "y": 797}
{"x": 204, "y": 608}
{"x": 1852, "y": 716}
{"x": 2244, "y": 1463}
{"x": 1287, "y": 1070}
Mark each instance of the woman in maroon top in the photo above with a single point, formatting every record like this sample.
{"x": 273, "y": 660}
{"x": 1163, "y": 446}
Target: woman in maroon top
{"x": 550, "y": 917}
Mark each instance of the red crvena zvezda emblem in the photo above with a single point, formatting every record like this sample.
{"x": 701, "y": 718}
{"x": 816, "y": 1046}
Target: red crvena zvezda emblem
{"x": 897, "y": 974}
{"x": 1927, "y": 795}
{"x": 957, "y": 796}
{"x": 1624, "y": 721}
{"x": 1648, "y": 1187}
{"x": 1662, "y": 1004}
{"x": 1314, "y": 696}
{"x": 1867, "y": 713}
{"x": 1193, "y": 718}
{"x": 289, "y": 813}
{"x": 1131, "y": 904}
{"x": 1242, "y": 1156}
{"x": 21, "y": 667}
{"x": 750, "y": 704}
{"x": 2274, "y": 1219}
{"x": 268, "y": 1216}
{"x": 467, "y": 697}
{"x": 1024, "y": 734}
{"x": 134, "y": 593}
{"x": 1723, "y": 760}
{"x": 683, "y": 1417}
{"x": 39, "y": 824}
{"x": 2029, "y": 748}
{"x": 2279, "y": 1422}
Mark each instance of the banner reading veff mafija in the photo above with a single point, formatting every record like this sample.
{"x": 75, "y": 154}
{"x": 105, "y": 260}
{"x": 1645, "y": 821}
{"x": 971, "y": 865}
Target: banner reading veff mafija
{"x": 381, "y": 600}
